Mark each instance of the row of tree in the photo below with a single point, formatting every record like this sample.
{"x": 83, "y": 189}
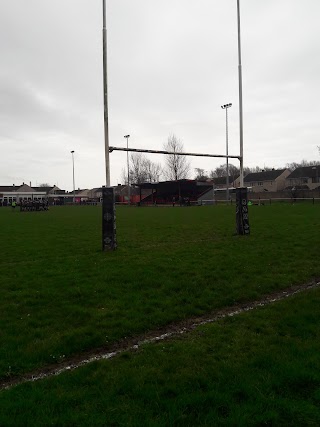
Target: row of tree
{"x": 234, "y": 171}
{"x": 177, "y": 166}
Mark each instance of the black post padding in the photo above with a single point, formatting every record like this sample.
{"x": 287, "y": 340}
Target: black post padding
{"x": 242, "y": 214}
{"x": 109, "y": 236}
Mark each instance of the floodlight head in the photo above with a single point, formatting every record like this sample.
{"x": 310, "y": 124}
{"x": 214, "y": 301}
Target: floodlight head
{"x": 72, "y": 151}
{"x": 127, "y": 136}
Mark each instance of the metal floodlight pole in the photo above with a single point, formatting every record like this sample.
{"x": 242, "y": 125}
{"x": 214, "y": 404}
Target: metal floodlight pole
{"x": 129, "y": 193}
{"x": 105, "y": 95}
{"x": 240, "y": 96}
{"x": 74, "y": 187}
{"x": 225, "y": 107}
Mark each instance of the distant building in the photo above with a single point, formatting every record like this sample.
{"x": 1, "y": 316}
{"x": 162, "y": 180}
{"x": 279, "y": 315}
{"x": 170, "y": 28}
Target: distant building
{"x": 49, "y": 190}
{"x": 16, "y": 193}
{"x": 306, "y": 177}
{"x": 167, "y": 192}
{"x": 273, "y": 180}
{"x": 95, "y": 194}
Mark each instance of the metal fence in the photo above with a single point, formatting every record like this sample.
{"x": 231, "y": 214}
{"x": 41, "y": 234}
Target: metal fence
{"x": 264, "y": 201}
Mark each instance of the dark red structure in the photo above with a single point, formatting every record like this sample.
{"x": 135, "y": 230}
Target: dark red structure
{"x": 183, "y": 191}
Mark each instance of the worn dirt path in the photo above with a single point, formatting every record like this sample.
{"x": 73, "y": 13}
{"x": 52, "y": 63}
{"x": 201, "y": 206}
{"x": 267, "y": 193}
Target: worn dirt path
{"x": 169, "y": 331}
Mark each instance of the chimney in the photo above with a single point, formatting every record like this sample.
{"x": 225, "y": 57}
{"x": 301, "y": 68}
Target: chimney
{"x": 30, "y": 183}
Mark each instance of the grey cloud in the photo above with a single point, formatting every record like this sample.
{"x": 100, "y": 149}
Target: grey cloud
{"x": 171, "y": 64}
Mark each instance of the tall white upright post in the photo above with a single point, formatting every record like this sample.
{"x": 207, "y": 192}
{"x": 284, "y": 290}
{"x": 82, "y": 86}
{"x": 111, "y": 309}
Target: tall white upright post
{"x": 128, "y": 167}
{"x": 225, "y": 107}
{"x": 105, "y": 95}
{"x": 240, "y": 96}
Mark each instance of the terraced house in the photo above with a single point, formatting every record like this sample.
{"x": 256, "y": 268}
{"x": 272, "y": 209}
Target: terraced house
{"x": 304, "y": 178}
{"x": 273, "y": 180}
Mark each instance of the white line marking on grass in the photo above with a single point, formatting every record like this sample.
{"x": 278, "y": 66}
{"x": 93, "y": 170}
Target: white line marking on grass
{"x": 172, "y": 331}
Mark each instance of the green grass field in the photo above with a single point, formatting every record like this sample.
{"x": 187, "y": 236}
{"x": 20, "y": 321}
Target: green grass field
{"x": 256, "y": 369}
{"x": 62, "y": 296}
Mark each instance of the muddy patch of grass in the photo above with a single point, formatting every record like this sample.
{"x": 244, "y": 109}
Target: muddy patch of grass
{"x": 257, "y": 368}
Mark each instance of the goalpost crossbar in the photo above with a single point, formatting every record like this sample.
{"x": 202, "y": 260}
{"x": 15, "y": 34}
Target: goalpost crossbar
{"x": 142, "y": 150}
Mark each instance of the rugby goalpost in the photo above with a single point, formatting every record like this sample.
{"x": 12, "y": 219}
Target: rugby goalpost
{"x": 109, "y": 241}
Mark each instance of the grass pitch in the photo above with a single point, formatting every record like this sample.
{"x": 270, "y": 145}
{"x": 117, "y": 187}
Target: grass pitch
{"x": 61, "y": 295}
{"x": 256, "y": 369}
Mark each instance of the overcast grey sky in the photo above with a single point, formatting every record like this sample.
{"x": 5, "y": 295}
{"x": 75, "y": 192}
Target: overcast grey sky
{"x": 171, "y": 65}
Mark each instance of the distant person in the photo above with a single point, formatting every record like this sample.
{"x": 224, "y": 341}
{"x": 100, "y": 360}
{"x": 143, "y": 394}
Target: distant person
{"x": 13, "y": 205}
{"x": 173, "y": 201}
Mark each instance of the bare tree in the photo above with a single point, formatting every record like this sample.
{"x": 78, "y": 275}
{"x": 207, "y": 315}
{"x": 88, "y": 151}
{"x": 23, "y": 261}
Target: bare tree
{"x": 218, "y": 172}
{"x": 45, "y": 184}
{"x": 177, "y": 166}
{"x": 153, "y": 171}
{"x": 141, "y": 170}
{"x": 294, "y": 165}
{"x": 124, "y": 176}
{"x": 221, "y": 171}
{"x": 201, "y": 174}
{"x": 137, "y": 171}
{"x": 246, "y": 170}
{"x": 234, "y": 171}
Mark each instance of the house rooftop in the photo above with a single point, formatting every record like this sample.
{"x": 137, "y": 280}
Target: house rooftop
{"x": 305, "y": 172}
{"x": 264, "y": 175}
{"x": 43, "y": 188}
{"x": 8, "y": 188}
